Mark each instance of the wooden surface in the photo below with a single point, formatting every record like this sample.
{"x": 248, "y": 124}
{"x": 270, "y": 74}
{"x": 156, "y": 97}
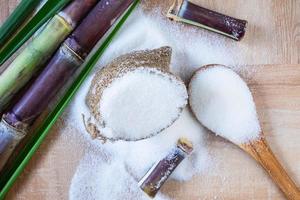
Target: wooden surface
{"x": 262, "y": 153}
{"x": 273, "y": 37}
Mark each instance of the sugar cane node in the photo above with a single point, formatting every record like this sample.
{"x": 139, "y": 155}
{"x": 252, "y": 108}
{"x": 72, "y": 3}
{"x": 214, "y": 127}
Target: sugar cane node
{"x": 72, "y": 52}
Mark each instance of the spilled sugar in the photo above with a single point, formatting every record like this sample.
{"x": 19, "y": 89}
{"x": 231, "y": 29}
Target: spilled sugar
{"x": 127, "y": 162}
{"x": 141, "y": 103}
{"x": 192, "y": 48}
{"x": 223, "y": 103}
{"x": 97, "y": 179}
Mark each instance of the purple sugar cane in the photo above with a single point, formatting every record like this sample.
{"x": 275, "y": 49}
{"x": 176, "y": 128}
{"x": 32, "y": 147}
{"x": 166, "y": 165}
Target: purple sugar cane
{"x": 39, "y": 49}
{"x": 190, "y": 13}
{"x": 69, "y": 57}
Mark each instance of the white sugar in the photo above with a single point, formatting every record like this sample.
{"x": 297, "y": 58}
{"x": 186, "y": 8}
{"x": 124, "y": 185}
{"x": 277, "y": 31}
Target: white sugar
{"x": 141, "y": 103}
{"x": 223, "y": 103}
{"x": 192, "y": 48}
{"x": 96, "y": 178}
{"x": 114, "y": 169}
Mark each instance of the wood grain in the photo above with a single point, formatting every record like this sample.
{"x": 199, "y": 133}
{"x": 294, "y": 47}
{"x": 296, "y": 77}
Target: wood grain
{"x": 273, "y": 37}
{"x": 261, "y": 152}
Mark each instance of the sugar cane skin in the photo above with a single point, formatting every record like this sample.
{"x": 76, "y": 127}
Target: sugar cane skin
{"x": 40, "y": 49}
{"x": 67, "y": 59}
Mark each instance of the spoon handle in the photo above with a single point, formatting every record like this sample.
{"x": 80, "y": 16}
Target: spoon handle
{"x": 262, "y": 153}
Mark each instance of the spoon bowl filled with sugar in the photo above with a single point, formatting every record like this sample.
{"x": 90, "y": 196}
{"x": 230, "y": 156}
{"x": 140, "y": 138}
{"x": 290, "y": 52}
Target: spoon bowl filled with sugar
{"x": 223, "y": 103}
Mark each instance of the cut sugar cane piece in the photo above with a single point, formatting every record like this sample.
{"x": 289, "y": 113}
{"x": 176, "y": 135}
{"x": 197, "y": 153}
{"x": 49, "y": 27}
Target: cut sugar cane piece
{"x": 61, "y": 67}
{"x": 160, "y": 172}
{"x": 222, "y": 102}
{"x": 187, "y": 12}
{"x": 135, "y": 97}
{"x": 40, "y": 49}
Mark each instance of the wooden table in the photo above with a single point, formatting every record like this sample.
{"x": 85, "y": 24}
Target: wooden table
{"x": 273, "y": 49}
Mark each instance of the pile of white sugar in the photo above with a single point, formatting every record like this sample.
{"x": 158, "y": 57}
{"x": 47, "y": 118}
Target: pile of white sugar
{"x": 128, "y": 161}
{"x": 141, "y": 103}
{"x": 223, "y": 103}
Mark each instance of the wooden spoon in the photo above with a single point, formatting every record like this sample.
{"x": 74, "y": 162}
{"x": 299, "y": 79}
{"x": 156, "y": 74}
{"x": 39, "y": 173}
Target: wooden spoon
{"x": 261, "y": 152}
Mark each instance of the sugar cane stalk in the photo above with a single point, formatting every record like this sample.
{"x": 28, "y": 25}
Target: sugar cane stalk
{"x": 40, "y": 49}
{"x": 62, "y": 66}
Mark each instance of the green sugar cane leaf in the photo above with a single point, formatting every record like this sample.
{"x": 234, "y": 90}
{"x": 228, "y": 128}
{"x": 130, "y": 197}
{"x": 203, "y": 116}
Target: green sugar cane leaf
{"x": 50, "y": 8}
{"x": 16, "y": 19}
{"x": 9, "y": 177}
